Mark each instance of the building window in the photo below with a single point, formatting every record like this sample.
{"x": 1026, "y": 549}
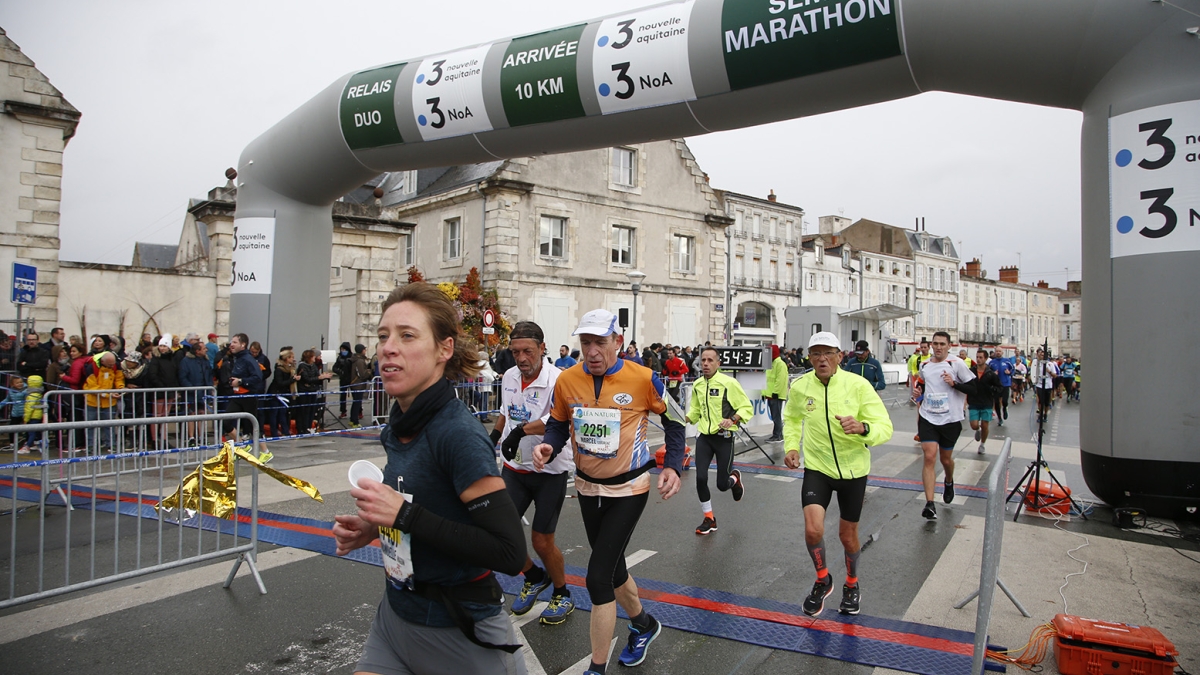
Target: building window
{"x": 950, "y": 278}
{"x": 552, "y": 237}
{"x": 920, "y": 276}
{"x": 1066, "y": 309}
{"x": 684, "y": 253}
{"x": 624, "y": 167}
{"x": 810, "y": 281}
{"x": 953, "y": 322}
{"x": 908, "y": 271}
{"x": 739, "y": 267}
{"x": 920, "y": 313}
{"x": 452, "y": 239}
{"x": 405, "y": 248}
{"x": 820, "y": 251}
{"x": 757, "y": 225}
{"x": 907, "y": 297}
{"x": 853, "y": 286}
{"x": 738, "y": 224}
{"x": 941, "y": 280}
{"x": 622, "y": 245}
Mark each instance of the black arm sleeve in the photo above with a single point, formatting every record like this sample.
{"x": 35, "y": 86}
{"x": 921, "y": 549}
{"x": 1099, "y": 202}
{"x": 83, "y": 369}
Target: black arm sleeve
{"x": 495, "y": 540}
{"x": 676, "y": 440}
{"x": 556, "y": 435}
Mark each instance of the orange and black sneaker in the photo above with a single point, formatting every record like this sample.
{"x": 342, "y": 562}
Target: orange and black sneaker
{"x": 707, "y": 527}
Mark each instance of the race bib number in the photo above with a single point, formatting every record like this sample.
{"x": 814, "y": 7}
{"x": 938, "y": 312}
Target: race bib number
{"x": 598, "y": 431}
{"x": 397, "y": 556}
{"x": 937, "y": 403}
{"x": 673, "y": 384}
{"x": 518, "y": 414}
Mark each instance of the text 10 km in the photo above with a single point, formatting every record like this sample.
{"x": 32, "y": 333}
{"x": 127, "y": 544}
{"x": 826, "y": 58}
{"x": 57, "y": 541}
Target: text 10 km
{"x": 548, "y": 87}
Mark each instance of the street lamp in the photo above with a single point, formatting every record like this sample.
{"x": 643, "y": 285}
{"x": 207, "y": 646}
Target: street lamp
{"x": 635, "y": 281}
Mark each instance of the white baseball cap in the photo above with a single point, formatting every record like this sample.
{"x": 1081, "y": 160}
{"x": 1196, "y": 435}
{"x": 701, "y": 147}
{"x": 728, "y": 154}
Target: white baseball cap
{"x": 824, "y": 339}
{"x": 597, "y": 322}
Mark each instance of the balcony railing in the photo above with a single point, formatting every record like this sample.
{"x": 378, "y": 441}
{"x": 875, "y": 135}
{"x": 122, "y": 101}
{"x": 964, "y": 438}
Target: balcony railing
{"x": 757, "y": 237}
{"x": 739, "y": 234}
{"x": 775, "y": 240}
{"x": 789, "y": 242}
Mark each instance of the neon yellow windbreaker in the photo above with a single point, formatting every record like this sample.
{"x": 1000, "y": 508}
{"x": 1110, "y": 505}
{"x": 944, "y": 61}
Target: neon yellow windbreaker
{"x": 777, "y": 379}
{"x": 716, "y": 398}
{"x": 827, "y": 448}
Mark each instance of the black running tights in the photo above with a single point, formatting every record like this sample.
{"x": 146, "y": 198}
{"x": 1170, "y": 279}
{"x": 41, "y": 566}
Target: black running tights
{"x": 609, "y": 522}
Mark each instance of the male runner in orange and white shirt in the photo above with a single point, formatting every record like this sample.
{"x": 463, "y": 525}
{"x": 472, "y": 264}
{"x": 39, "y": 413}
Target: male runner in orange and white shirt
{"x": 603, "y": 406}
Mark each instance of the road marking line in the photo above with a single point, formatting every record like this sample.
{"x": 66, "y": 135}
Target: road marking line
{"x": 781, "y": 479}
{"x": 586, "y": 662}
{"x": 637, "y": 557}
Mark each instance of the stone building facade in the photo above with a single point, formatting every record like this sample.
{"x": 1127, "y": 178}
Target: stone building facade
{"x": 765, "y": 266}
{"x": 911, "y": 259}
{"x": 36, "y": 123}
{"x": 1070, "y": 318}
{"x": 558, "y": 235}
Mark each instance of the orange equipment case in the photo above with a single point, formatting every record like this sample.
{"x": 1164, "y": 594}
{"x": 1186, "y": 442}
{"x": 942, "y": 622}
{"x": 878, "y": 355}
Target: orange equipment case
{"x": 661, "y": 453}
{"x": 1091, "y": 647}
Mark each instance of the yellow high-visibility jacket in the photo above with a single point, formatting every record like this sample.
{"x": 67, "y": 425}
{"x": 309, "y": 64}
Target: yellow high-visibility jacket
{"x": 716, "y": 398}
{"x": 816, "y": 406}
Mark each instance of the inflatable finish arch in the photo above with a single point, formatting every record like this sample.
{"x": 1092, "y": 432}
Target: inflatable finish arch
{"x": 693, "y": 67}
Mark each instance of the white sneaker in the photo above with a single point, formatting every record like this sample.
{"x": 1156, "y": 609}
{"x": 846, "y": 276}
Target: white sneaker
{"x": 981, "y": 448}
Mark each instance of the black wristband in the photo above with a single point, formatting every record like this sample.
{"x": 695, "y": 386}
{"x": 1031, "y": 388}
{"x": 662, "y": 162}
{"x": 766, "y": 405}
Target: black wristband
{"x": 495, "y": 436}
{"x": 405, "y": 517}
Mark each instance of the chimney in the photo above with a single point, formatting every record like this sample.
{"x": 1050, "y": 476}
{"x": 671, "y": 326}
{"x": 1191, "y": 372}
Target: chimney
{"x": 771, "y": 197}
{"x": 972, "y": 269}
{"x": 1075, "y": 287}
{"x": 1010, "y": 274}
{"x": 832, "y": 224}
{"x": 1042, "y": 284}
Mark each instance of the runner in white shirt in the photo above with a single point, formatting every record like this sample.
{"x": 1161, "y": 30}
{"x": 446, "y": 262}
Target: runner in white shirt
{"x": 944, "y": 382}
{"x": 1042, "y": 372}
{"x": 526, "y": 395}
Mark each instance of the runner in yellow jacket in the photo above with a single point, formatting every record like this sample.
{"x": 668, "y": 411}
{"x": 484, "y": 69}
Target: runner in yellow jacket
{"x": 840, "y": 416}
{"x": 718, "y": 406}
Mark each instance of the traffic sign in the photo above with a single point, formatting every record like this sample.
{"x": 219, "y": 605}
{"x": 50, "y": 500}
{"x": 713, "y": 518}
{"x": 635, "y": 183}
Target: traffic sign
{"x": 489, "y": 319}
{"x": 24, "y": 284}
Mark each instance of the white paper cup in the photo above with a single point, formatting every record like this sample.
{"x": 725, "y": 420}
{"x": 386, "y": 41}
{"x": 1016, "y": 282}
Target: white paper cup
{"x": 364, "y": 469}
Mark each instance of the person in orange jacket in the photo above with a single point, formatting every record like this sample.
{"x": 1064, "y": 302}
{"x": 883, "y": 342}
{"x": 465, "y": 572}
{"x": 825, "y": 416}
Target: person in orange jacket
{"x": 104, "y": 375}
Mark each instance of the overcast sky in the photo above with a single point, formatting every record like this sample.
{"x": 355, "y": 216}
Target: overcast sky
{"x": 172, "y": 92}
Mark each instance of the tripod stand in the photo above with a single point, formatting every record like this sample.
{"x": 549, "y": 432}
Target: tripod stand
{"x": 1032, "y": 480}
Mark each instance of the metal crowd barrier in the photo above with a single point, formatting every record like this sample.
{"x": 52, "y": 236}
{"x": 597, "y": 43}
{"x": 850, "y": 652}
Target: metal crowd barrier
{"x": 156, "y": 421}
{"x": 109, "y": 529}
{"x": 482, "y": 398}
{"x": 989, "y": 569}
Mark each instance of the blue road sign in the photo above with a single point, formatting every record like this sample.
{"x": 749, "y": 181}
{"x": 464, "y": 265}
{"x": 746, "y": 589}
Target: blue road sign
{"x": 24, "y": 284}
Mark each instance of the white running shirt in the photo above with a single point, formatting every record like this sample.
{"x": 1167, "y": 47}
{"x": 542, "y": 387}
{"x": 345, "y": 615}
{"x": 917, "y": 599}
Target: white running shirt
{"x": 943, "y": 404}
{"x": 532, "y": 403}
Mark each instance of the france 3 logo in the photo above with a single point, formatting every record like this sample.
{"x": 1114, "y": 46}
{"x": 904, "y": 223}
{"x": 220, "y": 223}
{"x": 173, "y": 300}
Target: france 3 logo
{"x": 1154, "y": 180}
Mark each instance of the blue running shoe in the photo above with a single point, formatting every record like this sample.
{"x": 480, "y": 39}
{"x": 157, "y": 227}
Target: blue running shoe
{"x": 635, "y": 652}
{"x": 558, "y": 609}
{"x": 529, "y": 595}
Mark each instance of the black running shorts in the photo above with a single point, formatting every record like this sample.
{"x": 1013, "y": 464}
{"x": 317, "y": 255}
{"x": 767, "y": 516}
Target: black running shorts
{"x": 819, "y": 488}
{"x": 945, "y": 435}
{"x": 545, "y": 490}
